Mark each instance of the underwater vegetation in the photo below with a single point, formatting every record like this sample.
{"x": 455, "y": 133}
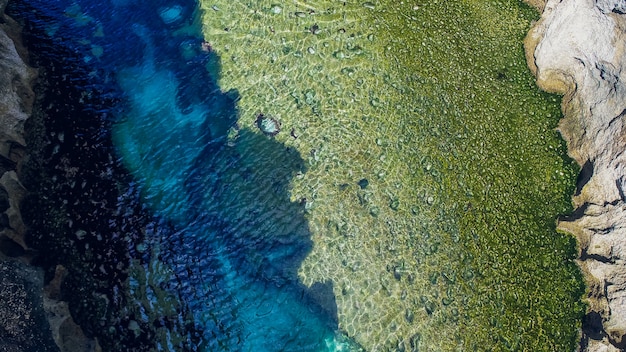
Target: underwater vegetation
{"x": 435, "y": 173}
{"x": 411, "y": 205}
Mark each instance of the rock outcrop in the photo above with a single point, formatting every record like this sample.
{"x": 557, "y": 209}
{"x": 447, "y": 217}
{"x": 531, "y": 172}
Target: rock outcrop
{"x": 578, "y": 49}
{"x": 16, "y": 103}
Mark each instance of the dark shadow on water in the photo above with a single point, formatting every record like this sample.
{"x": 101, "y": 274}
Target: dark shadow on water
{"x": 245, "y": 187}
{"x": 256, "y": 239}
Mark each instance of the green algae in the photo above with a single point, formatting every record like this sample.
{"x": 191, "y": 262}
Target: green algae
{"x": 451, "y": 242}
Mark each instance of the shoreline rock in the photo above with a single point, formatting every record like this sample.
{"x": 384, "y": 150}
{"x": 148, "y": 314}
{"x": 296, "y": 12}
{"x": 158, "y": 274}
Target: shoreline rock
{"x": 577, "y": 49}
{"x": 32, "y": 317}
{"x": 23, "y": 322}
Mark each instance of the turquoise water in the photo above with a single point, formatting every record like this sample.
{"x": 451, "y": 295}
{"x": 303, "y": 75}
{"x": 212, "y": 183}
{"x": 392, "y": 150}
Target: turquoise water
{"x": 180, "y": 156}
{"x": 238, "y": 240}
{"x": 392, "y": 207}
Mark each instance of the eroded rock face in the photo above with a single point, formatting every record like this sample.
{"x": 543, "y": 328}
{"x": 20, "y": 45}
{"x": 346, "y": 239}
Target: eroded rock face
{"x": 16, "y": 81}
{"x": 16, "y": 102}
{"x": 578, "y": 49}
{"x": 23, "y": 322}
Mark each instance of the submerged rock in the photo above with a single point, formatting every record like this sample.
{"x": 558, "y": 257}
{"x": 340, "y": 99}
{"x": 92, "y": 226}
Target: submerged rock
{"x": 172, "y": 14}
{"x": 268, "y": 125}
{"x": 578, "y": 49}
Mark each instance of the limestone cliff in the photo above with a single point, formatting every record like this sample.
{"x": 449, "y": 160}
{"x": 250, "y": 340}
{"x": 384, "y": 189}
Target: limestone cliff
{"x": 578, "y": 49}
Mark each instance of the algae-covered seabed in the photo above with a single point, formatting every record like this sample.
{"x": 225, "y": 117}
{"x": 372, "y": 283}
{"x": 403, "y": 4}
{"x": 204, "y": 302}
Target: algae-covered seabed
{"x": 451, "y": 245}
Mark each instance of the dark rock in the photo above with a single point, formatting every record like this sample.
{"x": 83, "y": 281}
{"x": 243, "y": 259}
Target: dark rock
{"x": 4, "y": 221}
{"x": 4, "y": 200}
{"x": 323, "y": 294}
{"x": 3, "y": 5}
{"x": 10, "y": 248}
{"x": 397, "y": 273}
{"x": 409, "y": 316}
{"x": 414, "y": 342}
{"x": 23, "y": 323}
{"x": 363, "y": 183}
{"x": 394, "y": 204}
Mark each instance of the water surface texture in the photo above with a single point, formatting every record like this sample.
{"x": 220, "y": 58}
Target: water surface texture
{"x": 402, "y": 195}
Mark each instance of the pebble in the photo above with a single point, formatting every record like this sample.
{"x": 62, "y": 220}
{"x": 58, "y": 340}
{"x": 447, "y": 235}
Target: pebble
{"x": 397, "y": 273}
{"x": 409, "y": 316}
{"x": 339, "y": 55}
{"x": 369, "y": 5}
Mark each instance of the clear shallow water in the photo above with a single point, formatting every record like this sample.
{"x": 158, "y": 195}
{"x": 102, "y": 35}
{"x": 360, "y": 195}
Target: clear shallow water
{"x": 451, "y": 245}
{"x": 276, "y": 243}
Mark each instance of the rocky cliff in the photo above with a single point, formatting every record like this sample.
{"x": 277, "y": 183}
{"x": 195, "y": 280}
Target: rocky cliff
{"x": 23, "y": 323}
{"x": 32, "y": 317}
{"x": 578, "y": 49}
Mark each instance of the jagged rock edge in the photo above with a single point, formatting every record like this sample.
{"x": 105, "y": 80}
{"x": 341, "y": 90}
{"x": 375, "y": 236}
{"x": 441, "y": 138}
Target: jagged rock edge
{"x": 599, "y": 222}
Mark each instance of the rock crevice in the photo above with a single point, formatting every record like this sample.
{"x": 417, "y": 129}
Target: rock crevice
{"x": 577, "y": 49}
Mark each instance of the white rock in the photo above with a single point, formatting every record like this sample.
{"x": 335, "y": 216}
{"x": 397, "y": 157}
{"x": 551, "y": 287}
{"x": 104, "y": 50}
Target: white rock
{"x": 578, "y": 49}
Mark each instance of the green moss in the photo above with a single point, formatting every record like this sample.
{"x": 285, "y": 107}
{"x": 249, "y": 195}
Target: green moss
{"x": 453, "y": 239}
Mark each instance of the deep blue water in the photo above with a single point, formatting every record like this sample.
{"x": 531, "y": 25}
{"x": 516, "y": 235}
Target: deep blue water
{"x": 233, "y": 239}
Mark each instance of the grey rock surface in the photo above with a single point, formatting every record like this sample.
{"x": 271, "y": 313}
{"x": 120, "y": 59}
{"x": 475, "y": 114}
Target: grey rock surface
{"x": 16, "y": 102}
{"x": 578, "y": 49}
{"x": 16, "y": 82}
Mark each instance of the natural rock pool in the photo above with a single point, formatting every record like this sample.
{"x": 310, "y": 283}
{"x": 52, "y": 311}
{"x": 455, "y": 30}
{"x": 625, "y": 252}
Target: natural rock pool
{"x": 303, "y": 176}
